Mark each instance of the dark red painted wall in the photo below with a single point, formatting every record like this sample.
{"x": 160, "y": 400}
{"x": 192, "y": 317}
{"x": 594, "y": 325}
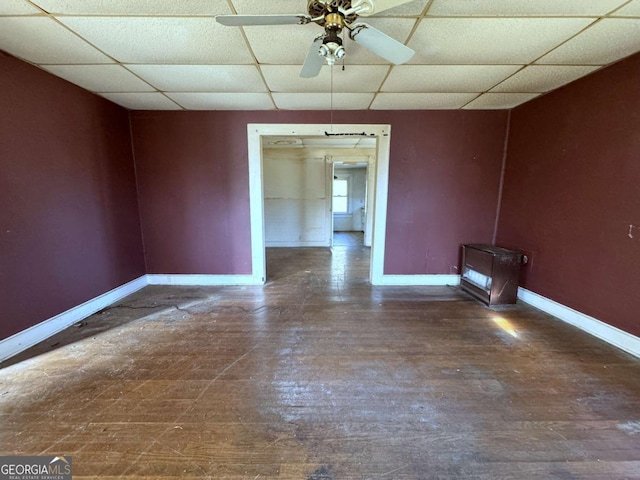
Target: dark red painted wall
{"x": 194, "y": 189}
{"x": 444, "y": 180}
{"x": 572, "y": 190}
{"x": 68, "y": 211}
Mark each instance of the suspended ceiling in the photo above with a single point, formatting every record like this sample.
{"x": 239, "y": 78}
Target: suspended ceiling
{"x": 173, "y": 55}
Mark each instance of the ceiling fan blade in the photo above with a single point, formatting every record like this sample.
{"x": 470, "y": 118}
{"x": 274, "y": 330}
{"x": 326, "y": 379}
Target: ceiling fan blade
{"x": 381, "y": 44}
{"x": 314, "y": 62}
{"x": 251, "y": 20}
{"x": 371, "y": 7}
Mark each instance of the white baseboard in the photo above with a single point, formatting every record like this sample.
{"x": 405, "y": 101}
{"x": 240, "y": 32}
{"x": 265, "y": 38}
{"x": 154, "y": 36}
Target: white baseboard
{"x": 296, "y": 244}
{"x": 27, "y": 338}
{"x": 419, "y": 280}
{"x": 616, "y": 337}
{"x": 204, "y": 280}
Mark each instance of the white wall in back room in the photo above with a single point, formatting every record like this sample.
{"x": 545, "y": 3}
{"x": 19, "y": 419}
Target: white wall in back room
{"x": 297, "y": 198}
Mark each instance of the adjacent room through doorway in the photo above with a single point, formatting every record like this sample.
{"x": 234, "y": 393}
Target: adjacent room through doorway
{"x": 315, "y": 192}
{"x": 314, "y": 183}
{"x": 349, "y": 203}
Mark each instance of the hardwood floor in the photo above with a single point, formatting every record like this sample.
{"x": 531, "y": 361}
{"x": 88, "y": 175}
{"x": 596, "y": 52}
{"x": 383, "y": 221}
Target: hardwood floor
{"x": 348, "y": 239}
{"x": 318, "y": 375}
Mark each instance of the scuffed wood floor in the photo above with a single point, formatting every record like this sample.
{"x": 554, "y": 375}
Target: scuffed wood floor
{"x": 319, "y": 376}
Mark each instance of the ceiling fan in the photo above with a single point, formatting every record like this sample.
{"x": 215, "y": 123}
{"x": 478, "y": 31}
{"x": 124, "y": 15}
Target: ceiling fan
{"x": 334, "y": 16}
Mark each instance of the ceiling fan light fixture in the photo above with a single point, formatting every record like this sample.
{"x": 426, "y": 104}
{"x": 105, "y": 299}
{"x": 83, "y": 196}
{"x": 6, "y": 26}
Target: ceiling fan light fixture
{"x": 331, "y": 51}
{"x": 331, "y": 47}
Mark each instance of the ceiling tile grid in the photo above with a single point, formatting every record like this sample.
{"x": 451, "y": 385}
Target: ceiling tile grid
{"x": 134, "y": 7}
{"x": 18, "y": 7}
{"x": 447, "y": 78}
{"x": 491, "y": 101}
{"x": 202, "y": 78}
{"x": 101, "y": 78}
{"x": 605, "y": 42}
{"x": 169, "y": 55}
{"x": 631, "y": 9}
{"x": 491, "y": 41}
{"x": 353, "y": 79}
{"x": 43, "y": 40}
{"x": 541, "y": 78}
{"x": 222, "y": 101}
{"x": 323, "y": 101}
{"x": 162, "y": 40}
{"x": 143, "y": 101}
{"x": 422, "y": 101}
{"x": 524, "y": 8}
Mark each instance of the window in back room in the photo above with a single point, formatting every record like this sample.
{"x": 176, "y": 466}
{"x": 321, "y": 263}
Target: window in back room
{"x": 340, "y": 194}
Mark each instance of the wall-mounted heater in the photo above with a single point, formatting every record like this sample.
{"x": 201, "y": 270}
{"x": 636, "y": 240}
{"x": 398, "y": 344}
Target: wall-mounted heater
{"x": 491, "y": 273}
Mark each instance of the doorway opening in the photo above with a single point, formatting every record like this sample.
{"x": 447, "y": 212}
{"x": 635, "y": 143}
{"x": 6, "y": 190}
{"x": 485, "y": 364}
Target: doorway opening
{"x": 350, "y": 203}
{"x": 291, "y": 192}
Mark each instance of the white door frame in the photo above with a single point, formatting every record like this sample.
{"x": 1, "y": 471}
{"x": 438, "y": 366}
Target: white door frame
{"x": 255, "y": 132}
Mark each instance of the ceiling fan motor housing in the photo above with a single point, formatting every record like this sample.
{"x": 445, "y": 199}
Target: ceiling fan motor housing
{"x": 330, "y": 15}
{"x": 323, "y": 8}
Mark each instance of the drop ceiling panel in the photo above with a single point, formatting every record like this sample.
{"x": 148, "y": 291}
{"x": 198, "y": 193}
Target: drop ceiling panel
{"x": 253, "y": 7}
{"x": 355, "y": 78}
{"x": 499, "y": 101}
{"x": 490, "y": 41}
{"x": 523, "y": 8}
{"x": 594, "y": 46}
{"x": 413, "y": 9}
{"x": 163, "y": 40}
{"x": 542, "y": 78}
{"x": 17, "y": 7}
{"x": 134, "y": 7}
{"x": 447, "y": 78}
{"x": 202, "y": 78}
{"x": 630, "y": 10}
{"x": 246, "y": 7}
{"x": 142, "y": 101}
{"x": 267, "y": 43}
{"x": 41, "y": 40}
{"x": 223, "y": 101}
{"x": 421, "y": 101}
{"x": 322, "y": 101}
{"x": 100, "y": 78}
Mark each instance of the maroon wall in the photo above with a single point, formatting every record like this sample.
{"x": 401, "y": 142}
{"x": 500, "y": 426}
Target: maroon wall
{"x": 444, "y": 181}
{"x": 572, "y": 190}
{"x": 68, "y": 214}
{"x": 194, "y": 190}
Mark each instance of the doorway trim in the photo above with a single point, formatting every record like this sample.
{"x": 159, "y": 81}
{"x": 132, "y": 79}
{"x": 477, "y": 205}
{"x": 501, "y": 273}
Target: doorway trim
{"x": 255, "y": 132}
